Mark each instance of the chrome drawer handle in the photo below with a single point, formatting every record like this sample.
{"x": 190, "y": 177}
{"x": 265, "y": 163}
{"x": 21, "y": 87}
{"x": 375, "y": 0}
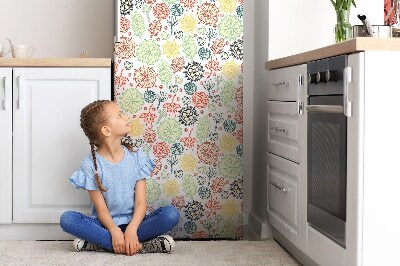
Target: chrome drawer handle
{"x": 279, "y": 129}
{"x": 284, "y": 83}
{"x": 5, "y": 93}
{"x": 279, "y": 187}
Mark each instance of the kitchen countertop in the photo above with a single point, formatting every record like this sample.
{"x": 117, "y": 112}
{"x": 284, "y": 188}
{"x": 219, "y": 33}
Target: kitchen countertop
{"x": 348, "y": 47}
{"x": 55, "y": 62}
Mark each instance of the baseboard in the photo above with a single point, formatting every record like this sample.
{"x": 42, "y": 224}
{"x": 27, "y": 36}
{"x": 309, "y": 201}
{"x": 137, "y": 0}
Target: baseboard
{"x": 260, "y": 228}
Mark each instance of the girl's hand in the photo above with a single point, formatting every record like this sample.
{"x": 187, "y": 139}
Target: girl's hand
{"x": 118, "y": 241}
{"x": 132, "y": 244}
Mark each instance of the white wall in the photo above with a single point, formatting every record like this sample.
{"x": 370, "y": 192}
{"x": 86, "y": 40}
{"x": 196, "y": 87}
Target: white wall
{"x": 60, "y": 28}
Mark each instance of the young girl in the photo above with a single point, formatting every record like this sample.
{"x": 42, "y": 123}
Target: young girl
{"x": 115, "y": 177}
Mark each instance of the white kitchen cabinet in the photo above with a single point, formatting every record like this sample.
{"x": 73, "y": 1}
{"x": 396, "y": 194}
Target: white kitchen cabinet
{"x": 48, "y": 144}
{"x": 285, "y": 126}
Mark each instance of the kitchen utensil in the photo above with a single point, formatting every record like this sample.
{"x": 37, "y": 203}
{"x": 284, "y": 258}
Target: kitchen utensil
{"x": 2, "y": 53}
{"x": 368, "y": 30}
{"x": 22, "y": 50}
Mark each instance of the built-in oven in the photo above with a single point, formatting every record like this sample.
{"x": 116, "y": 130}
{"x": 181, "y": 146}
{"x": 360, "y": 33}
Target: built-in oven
{"x": 327, "y": 148}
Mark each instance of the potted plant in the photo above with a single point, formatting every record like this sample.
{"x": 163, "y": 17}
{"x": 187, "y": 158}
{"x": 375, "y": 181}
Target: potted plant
{"x": 343, "y": 30}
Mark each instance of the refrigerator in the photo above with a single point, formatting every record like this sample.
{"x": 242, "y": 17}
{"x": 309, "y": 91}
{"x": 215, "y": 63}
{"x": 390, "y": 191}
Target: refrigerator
{"x": 178, "y": 73}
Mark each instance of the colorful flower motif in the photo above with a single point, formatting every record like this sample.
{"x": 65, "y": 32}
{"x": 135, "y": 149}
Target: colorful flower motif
{"x": 239, "y": 11}
{"x": 237, "y": 188}
{"x": 176, "y": 10}
{"x": 177, "y": 64}
{"x": 227, "y": 229}
{"x": 155, "y": 28}
{"x": 148, "y": 52}
{"x": 161, "y": 11}
{"x": 177, "y": 149}
{"x": 150, "y": 2}
{"x": 171, "y": 49}
{"x": 190, "y": 88}
{"x": 200, "y": 99}
{"x": 190, "y": 227}
{"x": 188, "y": 142}
{"x": 231, "y": 208}
{"x": 169, "y": 130}
{"x": 239, "y": 115}
{"x": 189, "y": 185}
{"x": 230, "y": 167}
{"x": 228, "y": 143}
{"x": 172, "y": 107}
{"x": 194, "y": 210}
{"x": 124, "y": 24}
{"x": 150, "y": 96}
{"x": 171, "y": 188}
{"x": 212, "y": 66}
{"x": 138, "y": 4}
{"x": 125, "y": 49}
{"x": 189, "y": 46}
{"x": 188, "y": 163}
{"x": 239, "y": 135}
{"x": 208, "y": 153}
{"x": 236, "y": 49}
{"x": 137, "y": 128}
{"x": 131, "y": 100}
{"x": 178, "y": 202}
{"x": 194, "y": 71}
{"x": 229, "y": 125}
{"x": 228, "y": 93}
{"x": 164, "y": 73}
{"x": 200, "y": 234}
{"x": 230, "y": 27}
{"x": 128, "y": 65}
{"x": 153, "y": 191}
{"x": 161, "y": 150}
{"x": 145, "y": 77}
{"x": 188, "y": 116}
{"x": 218, "y": 45}
{"x": 227, "y": 5}
{"x": 204, "y": 192}
{"x": 178, "y": 34}
{"x": 188, "y": 23}
{"x": 204, "y": 53}
{"x": 138, "y": 27}
{"x": 208, "y": 14}
{"x": 149, "y": 135}
{"x": 213, "y": 206}
{"x": 218, "y": 184}
{"x": 189, "y": 3}
{"x": 203, "y": 128}
{"x": 126, "y": 7}
{"x": 230, "y": 69}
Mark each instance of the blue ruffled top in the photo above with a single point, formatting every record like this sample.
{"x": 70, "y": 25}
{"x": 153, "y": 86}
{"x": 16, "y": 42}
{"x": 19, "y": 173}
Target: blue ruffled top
{"x": 118, "y": 178}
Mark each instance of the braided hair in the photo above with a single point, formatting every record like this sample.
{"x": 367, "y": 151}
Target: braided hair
{"x": 93, "y": 117}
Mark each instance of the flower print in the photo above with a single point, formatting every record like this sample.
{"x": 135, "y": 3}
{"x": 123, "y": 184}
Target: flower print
{"x": 178, "y": 202}
{"x": 227, "y": 143}
{"x": 227, "y": 5}
{"x": 164, "y": 72}
{"x": 126, "y": 7}
{"x": 224, "y": 55}
{"x": 178, "y": 34}
{"x": 124, "y": 24}
{"x": 188, "y": 163}
{"x": 169, "y": 130}
{"x": 201, "y": 41}
{"x": 240, "y": 2}
{"x": 172, "y": 107}
{"x": 239, "y": 95}
{"x": 228, "y": 93}
{"x": 218, "y": 184}
{"x": 173, "y": 88}
{"x": 194, "y": 71}
{"x": 153, "y": 191}
{"x": 208, "y": 153}
{"x": 177, "y": 64}
{"x": 121, "y": 80}
{"x": 218, "y": 45}
{"x": 200, "y": 234}
{"x": 125, "y": 48}
{"x": 189, "y": 185}
{"x": 230, "y": 27}
{"x": 239, "y": 135}
{"x": 131, "y": 100}
{"x": 138, "y": 4}
{"x": 239, "y": 115}
{"x": 204, "y": 192}
{"x": 236, "y": 188}
{"x": 200, "y": 99}
{"x": 155, "y": 28}
{"x": 236, "y": 49}
{"x": 177, "y": 10}
{"x": 230, "y": 167}
{"x": 157, "y": 168}
{"x": 239, "y": 11}
{"x": 188, "y": 23}
{"x": 145, "y": 77}
{"x": 188, "y": 142}
{"x": 171, "y": 188}
{"x": 194, "y": 210}
{"x": 148, "y": 52}
{"x": 204, "y": 53}
{"x": 161, "y": 11}
{"x": 161, "y": 150}
{"x": 189, "y": 46}
{"x": 190, "y": 88}
{"x": 170, "y": 1}
{"x": 231, "y": 208}
{"x": 213, "y": 207}
{"x": 230, "y": 69}
{"x": 227, "y": 229}
{"x": 188, "y": 116}
{"x": 150, "y": 2}
{"x": 177, "y": 149}
{"x": 138, "y": 26}
{"x": 212, "y": 66}
{"x": 229, "y": 125}
{"x": 170, "y": 49}
{"x": 149, "y": 135}
{"x": 128, "y": 65}
{"x": 150, "y": 96}
{"x": 190, "y": 227}
{"x": 189, "y": 3}
{"x": 208, "y": 14}
{"x": 137, "y": 128}
{"x": 201, "y": 180}
{"x": 203, "y": 128}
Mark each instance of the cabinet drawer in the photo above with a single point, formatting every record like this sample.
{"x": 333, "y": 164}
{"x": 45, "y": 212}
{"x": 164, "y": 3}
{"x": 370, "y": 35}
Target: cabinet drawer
{"x": 283, "y": 130}
{"x": 283, "y": 195}
{"x": 283, "y": 83}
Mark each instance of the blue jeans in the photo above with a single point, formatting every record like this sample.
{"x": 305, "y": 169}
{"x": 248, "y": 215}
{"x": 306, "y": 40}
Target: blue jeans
{"x": 90, "y": 229}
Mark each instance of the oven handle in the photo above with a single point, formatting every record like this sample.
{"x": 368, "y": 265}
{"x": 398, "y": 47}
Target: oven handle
{"x": 335, "y": 109}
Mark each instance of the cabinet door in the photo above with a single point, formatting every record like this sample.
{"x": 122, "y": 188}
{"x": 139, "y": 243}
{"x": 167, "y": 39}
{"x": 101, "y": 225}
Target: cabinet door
{"x": 5, "y": 146}
{"x": 48, "y": 141}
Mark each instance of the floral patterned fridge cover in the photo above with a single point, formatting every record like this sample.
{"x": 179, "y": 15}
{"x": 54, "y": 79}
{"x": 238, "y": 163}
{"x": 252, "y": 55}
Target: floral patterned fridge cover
{"x": 178, "y": 74}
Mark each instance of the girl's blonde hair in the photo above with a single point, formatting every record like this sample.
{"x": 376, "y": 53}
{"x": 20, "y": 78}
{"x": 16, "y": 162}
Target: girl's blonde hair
{"x": 93, "y": 117}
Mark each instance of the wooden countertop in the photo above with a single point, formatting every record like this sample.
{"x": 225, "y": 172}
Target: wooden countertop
{"x": 55, "y": 62}
{"x": 348, "y": 47}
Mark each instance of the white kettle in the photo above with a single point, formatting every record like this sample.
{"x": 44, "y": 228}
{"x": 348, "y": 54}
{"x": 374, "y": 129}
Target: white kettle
{"x": 2, "y": 53}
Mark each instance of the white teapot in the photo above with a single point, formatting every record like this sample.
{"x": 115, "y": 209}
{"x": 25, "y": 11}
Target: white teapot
{"x": 2, "y": 46}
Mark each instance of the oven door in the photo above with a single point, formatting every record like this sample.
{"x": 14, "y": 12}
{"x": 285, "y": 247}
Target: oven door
{"x": 326, "y": 166}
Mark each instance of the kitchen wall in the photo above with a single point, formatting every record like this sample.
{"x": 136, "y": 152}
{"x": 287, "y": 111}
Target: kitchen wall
{"x": 60, "y": 28}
